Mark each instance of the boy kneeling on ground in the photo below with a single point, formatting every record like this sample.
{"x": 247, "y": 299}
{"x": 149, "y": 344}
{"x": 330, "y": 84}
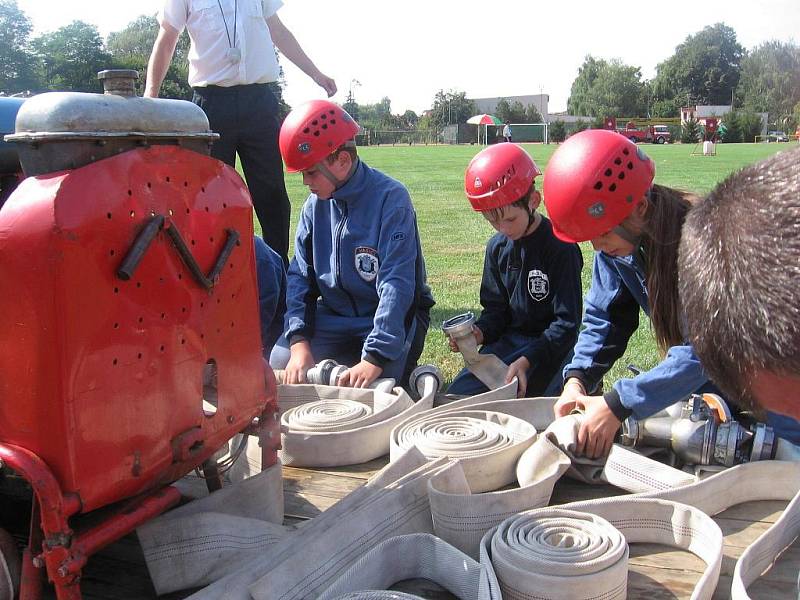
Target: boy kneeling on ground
{"x": 356, "y": 290}
{"x": 531, "y": 286}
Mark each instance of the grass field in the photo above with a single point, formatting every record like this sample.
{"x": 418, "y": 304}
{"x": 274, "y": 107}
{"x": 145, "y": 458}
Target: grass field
{"x": 454, "y": 237}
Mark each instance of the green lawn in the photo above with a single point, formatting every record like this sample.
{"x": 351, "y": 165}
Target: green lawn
{"x": 453, "y": 236}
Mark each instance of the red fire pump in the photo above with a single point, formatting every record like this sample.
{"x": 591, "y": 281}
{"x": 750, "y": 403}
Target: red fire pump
{"x": 129, "y": 317}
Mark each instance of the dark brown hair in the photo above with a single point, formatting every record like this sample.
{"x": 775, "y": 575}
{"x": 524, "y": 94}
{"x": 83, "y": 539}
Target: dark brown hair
{"x": 664, "y": 218}
{"x": 740, "y": 274}
{"x": 350, "y": 149}
{"x": 522, "y": 202}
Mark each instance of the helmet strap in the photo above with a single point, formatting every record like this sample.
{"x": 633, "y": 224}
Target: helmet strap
{"x": 326, "y": 172}
{"x": 627, "y": 235}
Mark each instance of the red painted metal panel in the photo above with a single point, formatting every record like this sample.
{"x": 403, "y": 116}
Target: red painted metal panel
{"x": 102, "y": 377}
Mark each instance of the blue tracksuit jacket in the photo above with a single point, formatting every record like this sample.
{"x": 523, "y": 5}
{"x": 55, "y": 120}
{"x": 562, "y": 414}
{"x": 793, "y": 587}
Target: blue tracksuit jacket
{"x": 359, "y": 255}
{"x": 610, "y": 317}
{"x": 532, "y": 286}
{"x": 271, "y": 276}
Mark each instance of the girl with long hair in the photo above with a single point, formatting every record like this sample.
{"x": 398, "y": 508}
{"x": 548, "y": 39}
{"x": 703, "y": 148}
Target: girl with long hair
{"x": 598, "y": 187}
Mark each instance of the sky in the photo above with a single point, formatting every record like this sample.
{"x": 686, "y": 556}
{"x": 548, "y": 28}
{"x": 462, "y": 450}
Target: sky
{"x": 409, "y": 50}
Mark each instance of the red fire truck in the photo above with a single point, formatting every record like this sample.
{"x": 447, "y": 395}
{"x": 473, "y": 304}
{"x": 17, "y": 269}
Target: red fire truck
{"x": 655, "y": 134}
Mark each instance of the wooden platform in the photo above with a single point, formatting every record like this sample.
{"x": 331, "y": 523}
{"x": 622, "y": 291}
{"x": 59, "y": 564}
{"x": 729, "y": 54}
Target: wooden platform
{"x": 655, "y": 572}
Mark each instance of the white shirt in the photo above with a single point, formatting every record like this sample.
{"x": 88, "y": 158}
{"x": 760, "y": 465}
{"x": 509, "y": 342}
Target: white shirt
{"x": 209, "y": 60}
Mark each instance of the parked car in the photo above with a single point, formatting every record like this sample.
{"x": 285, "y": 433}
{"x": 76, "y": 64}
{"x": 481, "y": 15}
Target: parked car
{"x": 777, "y": 136}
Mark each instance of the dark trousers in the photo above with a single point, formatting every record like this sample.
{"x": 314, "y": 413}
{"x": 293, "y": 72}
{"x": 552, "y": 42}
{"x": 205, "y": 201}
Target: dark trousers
{"x": 246, "y": 118}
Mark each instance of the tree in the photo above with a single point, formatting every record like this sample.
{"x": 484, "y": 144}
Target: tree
{"x": 130, "y": 49}
{"x": 704, "y": 69}
{"x": 607, "y": 88}
{"x": 580, "y": 125}
{"x": 451, "y": 107}
{"x": 532, "y": 114}
{"x": 741, "y": 126}
{"x": 71, "y": 56}
{"x": 351, "y": 106}
{"x": 16, "y": 63}
{"x": 691, "y": 131}
{"x": 558, "y": 131}
{"x": 770, "y": 80}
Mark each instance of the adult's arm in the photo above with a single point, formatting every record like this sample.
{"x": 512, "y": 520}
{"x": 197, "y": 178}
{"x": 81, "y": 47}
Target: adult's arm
{"x": 160, "y": 57}
{"x": 285, "y": 41}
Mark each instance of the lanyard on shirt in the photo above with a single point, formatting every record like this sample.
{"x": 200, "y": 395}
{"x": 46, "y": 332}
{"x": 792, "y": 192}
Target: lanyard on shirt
{"x": 234, "y": 54}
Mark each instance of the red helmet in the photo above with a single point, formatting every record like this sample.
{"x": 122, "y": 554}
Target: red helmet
{"x": 312, "y": 131}
{"x": 498, "y": 176}
{"x": 593, "y": 182}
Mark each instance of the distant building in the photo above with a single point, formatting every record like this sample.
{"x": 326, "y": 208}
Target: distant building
{"x": 489, "y": 105}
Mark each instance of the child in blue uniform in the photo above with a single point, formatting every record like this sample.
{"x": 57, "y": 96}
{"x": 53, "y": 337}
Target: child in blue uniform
{"x": 599, "y": 188}
{"x": 357, "y": 290}
{"x": 271, "y": 275}
{"x": 531, "y": 286}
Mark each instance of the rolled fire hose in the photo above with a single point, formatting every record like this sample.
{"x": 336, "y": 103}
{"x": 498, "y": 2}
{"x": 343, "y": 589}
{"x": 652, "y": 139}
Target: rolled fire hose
{"x": 324, "y": 426}
{"x": 655, "y": 517}
{"x": 490, "y": 370}
{"x": 496, "y": 507}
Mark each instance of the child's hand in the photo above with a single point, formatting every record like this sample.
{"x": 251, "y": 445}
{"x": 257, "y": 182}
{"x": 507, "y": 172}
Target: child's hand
{"x": 519, "y": 369}
{"x": 570, "y": 397}
{"x": 478, "y": 339}
{"x": 300, "y": 361}
{"x": 360, "y": 375}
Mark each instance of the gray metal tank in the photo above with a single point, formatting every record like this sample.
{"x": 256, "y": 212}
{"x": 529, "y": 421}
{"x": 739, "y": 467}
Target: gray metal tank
{"x": 66, "y": 130}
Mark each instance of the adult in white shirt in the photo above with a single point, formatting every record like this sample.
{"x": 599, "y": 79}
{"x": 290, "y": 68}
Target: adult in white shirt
{"x": 507, "y": 132}
{"x": 231, "y": 61}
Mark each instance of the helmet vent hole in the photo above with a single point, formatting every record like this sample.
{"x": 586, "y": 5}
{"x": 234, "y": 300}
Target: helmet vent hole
{"x": 617, "y": 161}
{"x": 316, "y": 133}
{"x": 324, "y": 125}
{"x": 331, "y": 111}
{"x": 625, "y": 151}
{"x": 306, "y": 130}
{"x": 608, "y": 173}
{"x": 333, "y": 121}
{"x": 621, "y": 175}
{"x": 323, "y": 116}
{"x": 612, "y": 187}
{"x": 315, "y": 122}
{"x": 630, "y": 165}
{"x": 598, "y": 185}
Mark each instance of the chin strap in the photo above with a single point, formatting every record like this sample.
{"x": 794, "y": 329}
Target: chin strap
{"x": 627, "y": 235}
{"x": 337, "y": 183}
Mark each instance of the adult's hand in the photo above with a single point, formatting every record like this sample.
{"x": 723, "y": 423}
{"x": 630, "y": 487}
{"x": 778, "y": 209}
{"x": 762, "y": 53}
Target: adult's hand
{"x": 519, "y": 369}
{"x": 360, "y": 375}
{"x": 326, "y": 83}
{"x": 300, "y": 361}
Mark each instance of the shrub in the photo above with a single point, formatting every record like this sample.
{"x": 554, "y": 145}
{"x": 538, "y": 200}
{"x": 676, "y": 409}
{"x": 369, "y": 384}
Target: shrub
{"x": 558, "y": 131}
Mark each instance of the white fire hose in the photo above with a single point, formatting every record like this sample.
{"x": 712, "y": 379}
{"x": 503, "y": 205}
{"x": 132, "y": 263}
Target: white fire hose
{"x": 326, "y": 426}
{"x": 488, "y": 368}
{"x": 412, "y": 495}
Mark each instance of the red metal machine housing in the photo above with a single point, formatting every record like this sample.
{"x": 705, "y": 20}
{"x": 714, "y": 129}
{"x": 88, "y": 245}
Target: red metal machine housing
{"x": 129, "y": 296}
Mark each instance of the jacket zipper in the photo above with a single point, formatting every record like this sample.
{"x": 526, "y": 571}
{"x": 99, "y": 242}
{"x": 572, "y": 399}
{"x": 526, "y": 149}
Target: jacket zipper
{"x": 338, "y": 247}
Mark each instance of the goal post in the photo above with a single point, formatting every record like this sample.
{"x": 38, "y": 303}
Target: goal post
{"x": 529, "y": 132}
